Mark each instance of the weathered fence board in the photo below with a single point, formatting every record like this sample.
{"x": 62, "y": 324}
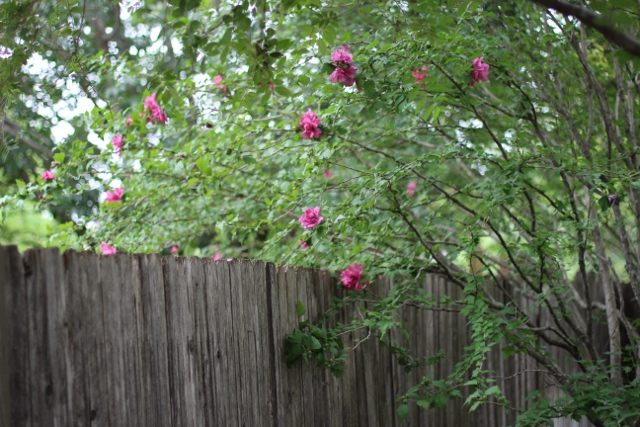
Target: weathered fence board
{"x": 174, "y": 341}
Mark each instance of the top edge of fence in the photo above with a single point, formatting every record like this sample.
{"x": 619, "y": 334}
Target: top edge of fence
{"x": 164, "y": 258}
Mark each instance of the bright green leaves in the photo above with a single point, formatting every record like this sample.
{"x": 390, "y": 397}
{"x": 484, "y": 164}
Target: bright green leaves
{"x": 204, "y": 166}
{"x": 318, "y": 343}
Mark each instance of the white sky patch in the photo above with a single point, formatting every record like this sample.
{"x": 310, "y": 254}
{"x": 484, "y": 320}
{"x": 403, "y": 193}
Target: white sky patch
{"x": 470, "y": 124}
{"x": 61, "y": 131}
{"x": 37, "y": 65}
{"x": 5, "y": 52}
{"x": 177, "y": 46}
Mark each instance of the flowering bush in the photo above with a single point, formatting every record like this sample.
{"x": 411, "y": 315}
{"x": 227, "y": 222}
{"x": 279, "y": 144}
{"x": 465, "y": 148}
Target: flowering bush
{"x": 517, "y": 190}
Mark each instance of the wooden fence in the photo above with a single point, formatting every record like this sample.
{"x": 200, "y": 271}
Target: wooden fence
{"x": 170, "y": 341}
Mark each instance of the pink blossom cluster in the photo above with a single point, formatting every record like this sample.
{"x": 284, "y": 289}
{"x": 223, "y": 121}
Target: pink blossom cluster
{"x": 107, "y": 249}
{"x": 115, "y": 195}
{"x": 344, "y": 73}
{"x": 480, "y": 71}
{"x": 310, "y": 125}
{"x": 217, "y": 80}
{"x": 352, "y": 277}
{"x": 420, "y": 76}
{"x": 303, "y": 245}
{"x": 311, "y": 218}
{"x": 411, "y": 188}
{"x": 218, "y": 255}
{"x": 155, "y": 111}
{"x": 117, "y": 143}
{"x": 174, "y": 249}
{"x": 47, "y": 175}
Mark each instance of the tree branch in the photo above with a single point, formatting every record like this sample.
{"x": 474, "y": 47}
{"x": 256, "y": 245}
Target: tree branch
{"x": 595, "y": 21}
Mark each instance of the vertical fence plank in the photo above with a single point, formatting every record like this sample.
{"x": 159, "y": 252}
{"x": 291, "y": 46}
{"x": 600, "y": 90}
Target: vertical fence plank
{"x": 78, "y": 336}
{"x": 204, "y": 358}
{"x": 154, "y": 350}
{"x": 87, "y": 293}
{"x": 48, "y": 340}
{"x": 135, "y": 321}
{"x": 244, "y": 354}
{"x": 180, "y": 330}
{"x": 112, "y": 289}
{"x": 14, "y": 341}
{"x": 262, "y": 336}
{"x": 271, "y": 285}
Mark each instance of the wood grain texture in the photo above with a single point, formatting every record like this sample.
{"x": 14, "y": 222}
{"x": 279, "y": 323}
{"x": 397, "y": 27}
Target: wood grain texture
{"x": 14, "y": 341}
{"x": 88, "y": 340}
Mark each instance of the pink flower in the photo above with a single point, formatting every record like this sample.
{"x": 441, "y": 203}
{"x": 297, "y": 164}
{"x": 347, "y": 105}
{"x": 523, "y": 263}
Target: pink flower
{"x": 47, "y": 175}
{"x": 218, "y": 255}
{"x": 418, "y": 75}
{"x": 115, "y": 195}
{"x": 117, "y": 143}
{"x": 309, "y": 123}
{"x": 480, "y": 71}
{"x": 303, "y": 245}
{"x": 129, "y": 121}
{"x": 217, "y": 81}
{"x": 328, "y": 173}
{"x": 411, "y": 188}
{"x": 157, "y": 115}
{"x": 107, "y": 249}
{"x": 342, "y": 56}
{"x": 352, "y": 276}
{"x": 346, "y": 76}
{"x": 310, "y": 218}
{"x": 175, "y": 249}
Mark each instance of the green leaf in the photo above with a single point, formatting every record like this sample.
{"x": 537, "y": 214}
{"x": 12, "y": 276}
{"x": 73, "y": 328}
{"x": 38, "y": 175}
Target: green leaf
{"x": 424, "y": 403}
{"x": 249, "y": 160}
{"x": 20, "y": 183}
{"x": 493, "y": 390}
{"x": 301, "y": 310}
{"x": 58, "y": 157}
{"x": 603, "y": 203}
{"x": 204, "y": 166}
{"x": 403, "y": 411}
{"x": 440, "y": 400}
{"x": 281, "y": 90}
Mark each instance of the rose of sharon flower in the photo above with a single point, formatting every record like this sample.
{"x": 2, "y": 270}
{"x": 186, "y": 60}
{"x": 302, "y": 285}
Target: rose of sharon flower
{"x": 175, "y": 249}
{"x": 129, "y": 121}
{"x": 480, "y": 71}
{"x": 217, "y": 80}
{"x": 309, "y": 123}
{"x": 218, "y": 255}
{"x": 418, "y": 75}
{"x": 115, "y": 195}
{"x": 346, "y": 76}
{"x": 328, "y": 173}
{"x": 311, "y": 218}
{"x": 117, "y": 143}
{"x": 344, "y": 72}
{"x": 107, "y": 249}
{"x": 352, "y": 276}
{"x": 411, "y": 188}
{"x": 303, "y": 245}
{"x": 47, "y": 175}
{"x": 342, "y": 56}
{"x": 157, "y": 115}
